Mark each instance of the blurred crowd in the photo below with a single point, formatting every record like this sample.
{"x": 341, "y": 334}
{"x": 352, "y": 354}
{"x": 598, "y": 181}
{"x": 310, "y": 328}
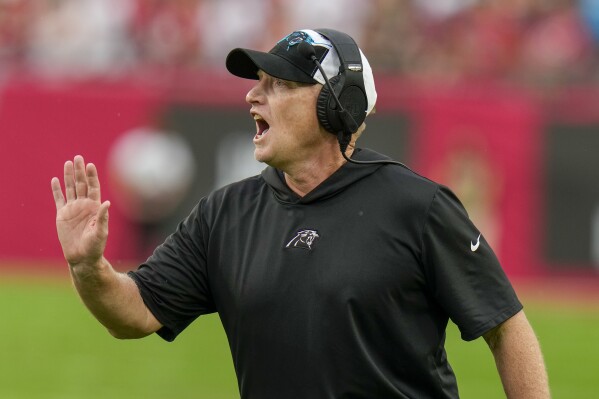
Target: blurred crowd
{"x": 533, "y": 42}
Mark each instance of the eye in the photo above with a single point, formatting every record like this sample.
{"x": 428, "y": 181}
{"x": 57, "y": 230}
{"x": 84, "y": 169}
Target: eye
{"x": 280, "y": 83}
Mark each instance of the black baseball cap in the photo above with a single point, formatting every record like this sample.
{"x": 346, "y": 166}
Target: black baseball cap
{"x": 283, "y": 61}
{"x": 287, "y": 61}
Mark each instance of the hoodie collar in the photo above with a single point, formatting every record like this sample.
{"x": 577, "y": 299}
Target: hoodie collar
{"x": 346, "y": 175}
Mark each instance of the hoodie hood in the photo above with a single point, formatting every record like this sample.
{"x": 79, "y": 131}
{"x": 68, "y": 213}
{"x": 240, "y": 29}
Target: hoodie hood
{"x": 346, "y": 175}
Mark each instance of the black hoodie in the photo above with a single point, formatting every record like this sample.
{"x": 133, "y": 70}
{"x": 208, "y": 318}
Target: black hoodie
{"x": 343, "y": 293}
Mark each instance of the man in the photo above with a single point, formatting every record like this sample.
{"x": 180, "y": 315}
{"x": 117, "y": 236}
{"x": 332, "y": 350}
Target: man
{"x": 332, "y": 279}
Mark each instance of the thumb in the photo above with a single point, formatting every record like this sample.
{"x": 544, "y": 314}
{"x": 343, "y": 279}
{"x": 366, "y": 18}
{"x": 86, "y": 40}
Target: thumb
{"x": 103, "y": 213}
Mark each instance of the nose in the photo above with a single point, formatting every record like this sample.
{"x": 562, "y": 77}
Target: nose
{"x": 256, "y": 94}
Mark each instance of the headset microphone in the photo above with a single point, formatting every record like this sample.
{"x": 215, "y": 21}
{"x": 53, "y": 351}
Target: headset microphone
{"x": 347, "y": 120}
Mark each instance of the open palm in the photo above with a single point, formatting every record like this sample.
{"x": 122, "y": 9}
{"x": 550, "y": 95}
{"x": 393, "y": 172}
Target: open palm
{"x": 81, "y": 217}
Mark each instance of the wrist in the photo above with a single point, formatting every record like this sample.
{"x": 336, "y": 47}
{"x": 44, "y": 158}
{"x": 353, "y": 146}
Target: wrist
{"x": 89, "y": 269}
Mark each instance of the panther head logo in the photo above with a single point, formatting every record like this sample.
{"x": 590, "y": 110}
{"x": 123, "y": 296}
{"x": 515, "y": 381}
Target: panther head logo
{"x": 296, "y": 38}
{"x": 303, "y": 239}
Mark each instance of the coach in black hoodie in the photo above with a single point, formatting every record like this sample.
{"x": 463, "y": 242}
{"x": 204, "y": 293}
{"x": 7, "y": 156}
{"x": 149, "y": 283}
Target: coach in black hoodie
{"x": 334, "y": 272}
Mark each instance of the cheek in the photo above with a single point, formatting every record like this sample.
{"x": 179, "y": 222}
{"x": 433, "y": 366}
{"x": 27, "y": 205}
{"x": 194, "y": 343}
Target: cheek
{"x": 295, "y": 114}
{"x": 303, "y": 115}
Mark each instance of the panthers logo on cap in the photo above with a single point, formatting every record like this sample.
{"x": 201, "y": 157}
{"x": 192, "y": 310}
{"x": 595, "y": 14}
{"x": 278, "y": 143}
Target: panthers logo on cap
{"x": 303, "y": 239}
{"x": 295, "y": 38}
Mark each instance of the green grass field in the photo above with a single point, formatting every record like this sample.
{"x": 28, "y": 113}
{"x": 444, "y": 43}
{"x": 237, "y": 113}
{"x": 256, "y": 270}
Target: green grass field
{"x": 51, "y": 348}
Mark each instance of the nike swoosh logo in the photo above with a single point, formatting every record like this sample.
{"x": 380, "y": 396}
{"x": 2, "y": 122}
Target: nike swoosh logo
{"x": 473, "y": 246}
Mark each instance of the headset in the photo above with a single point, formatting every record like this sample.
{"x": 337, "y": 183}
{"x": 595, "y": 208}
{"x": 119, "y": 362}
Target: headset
{"x": 342, "y": 102}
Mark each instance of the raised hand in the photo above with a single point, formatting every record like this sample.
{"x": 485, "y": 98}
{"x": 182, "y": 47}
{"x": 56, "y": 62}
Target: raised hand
{"x": 81, "y": 218}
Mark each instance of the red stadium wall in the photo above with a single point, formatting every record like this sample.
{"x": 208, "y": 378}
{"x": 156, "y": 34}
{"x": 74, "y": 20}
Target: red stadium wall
{"x": 484, "y": 142}
{"x": 41, "y": 126}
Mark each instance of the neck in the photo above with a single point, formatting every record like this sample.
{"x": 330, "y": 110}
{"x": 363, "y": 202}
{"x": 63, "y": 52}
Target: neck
{"x": 305, "y": 177}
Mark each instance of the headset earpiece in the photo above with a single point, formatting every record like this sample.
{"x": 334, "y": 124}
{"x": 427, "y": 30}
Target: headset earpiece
{"x": 354, "y": 105}
{"x": 326, "y": 107}
{"x": 343, "y": 110}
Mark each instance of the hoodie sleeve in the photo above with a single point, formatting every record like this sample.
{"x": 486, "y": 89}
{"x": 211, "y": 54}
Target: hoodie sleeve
{"x": 462, "y": 270}
{"x": 173, "y": 282}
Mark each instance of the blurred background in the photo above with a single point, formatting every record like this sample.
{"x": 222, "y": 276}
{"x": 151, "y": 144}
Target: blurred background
{"x": 498, "y": 99}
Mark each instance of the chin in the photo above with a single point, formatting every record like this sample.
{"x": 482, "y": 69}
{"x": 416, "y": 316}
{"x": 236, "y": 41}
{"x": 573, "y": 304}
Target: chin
{"x": 261, "y": 156}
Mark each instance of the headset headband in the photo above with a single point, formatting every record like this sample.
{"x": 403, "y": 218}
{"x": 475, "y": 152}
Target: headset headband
{"x": 350, "y": 58}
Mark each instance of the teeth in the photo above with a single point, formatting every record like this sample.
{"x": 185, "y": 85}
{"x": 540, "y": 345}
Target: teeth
{"x": 261, "y": 124}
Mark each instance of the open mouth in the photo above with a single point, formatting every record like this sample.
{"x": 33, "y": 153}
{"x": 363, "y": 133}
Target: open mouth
{"x": 262, "y": 126}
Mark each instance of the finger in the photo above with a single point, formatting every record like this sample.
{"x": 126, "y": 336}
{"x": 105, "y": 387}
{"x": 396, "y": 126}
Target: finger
{"x": 69, "y": 181}
{"x": 93, "y": 183}
{"x": 57, "y": 192}
{"x": 80, "y": 178}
